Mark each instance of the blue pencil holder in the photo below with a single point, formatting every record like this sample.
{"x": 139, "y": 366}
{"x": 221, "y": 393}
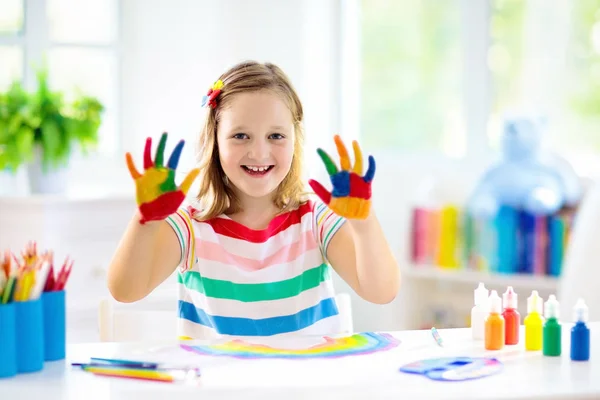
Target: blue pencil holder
{"x": 54, "y": 325}
{"x": 8, "y": 345}
{"x": 29, "y": 328}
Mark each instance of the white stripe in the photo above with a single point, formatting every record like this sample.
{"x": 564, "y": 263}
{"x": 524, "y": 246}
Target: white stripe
{"x": 327, "y": 225}
{"x": 324, "y": 327}
{"x": 260, "y": 309}
{"x": 332, "y": 230}
{"x": 319, "y": 210}
{"x": 256, "y": 251}
{"x": 190, "y": 329}
{"x": 272, "y": 273}
{"x": 177, "y": 223}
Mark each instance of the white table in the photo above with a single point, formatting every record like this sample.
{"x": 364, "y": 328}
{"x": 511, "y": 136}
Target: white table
{"x": 526, "y": 375}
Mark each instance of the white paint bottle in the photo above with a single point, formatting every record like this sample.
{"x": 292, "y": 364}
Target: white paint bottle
{"x": 479, "y": 312}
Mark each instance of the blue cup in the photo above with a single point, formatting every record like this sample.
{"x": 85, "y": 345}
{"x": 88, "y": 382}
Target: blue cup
{"x": 29, "y": 328}
{"x": 8, "y": 345}
{"x": 54, "y": 325}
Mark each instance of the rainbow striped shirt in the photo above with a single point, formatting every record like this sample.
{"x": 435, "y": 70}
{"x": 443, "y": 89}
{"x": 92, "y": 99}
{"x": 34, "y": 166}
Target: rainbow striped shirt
{"x": 236, "y": 281}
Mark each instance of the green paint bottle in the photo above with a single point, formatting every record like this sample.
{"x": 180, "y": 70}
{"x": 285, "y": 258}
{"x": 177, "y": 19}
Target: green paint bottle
{"x": 552, "y": 329}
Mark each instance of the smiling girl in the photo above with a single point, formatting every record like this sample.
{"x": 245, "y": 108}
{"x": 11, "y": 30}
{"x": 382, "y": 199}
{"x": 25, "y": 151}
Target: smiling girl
{"x": 253, "y": 254}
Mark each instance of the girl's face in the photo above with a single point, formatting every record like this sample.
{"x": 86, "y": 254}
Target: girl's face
{"x": 256, "y": 142}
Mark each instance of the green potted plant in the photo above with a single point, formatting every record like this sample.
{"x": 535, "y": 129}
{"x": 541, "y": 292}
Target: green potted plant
{"x": 40, "y": 129}
{"x": 16, "y": 128}
{"x": 16, "y": 138}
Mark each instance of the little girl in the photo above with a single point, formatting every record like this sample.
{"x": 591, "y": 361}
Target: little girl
{"x": 253, "y": 254}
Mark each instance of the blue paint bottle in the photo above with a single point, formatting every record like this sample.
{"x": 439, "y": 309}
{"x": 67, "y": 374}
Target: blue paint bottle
{"x": 580, "y": 333}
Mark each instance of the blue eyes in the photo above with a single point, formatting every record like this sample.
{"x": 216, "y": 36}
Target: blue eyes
{"x": 275, "y": 136}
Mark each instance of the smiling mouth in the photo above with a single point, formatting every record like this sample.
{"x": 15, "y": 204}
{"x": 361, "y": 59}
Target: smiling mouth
{"x": 257, "y": 170}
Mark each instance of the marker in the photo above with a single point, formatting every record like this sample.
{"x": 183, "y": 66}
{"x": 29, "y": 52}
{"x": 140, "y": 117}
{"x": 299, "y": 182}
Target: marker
{"x": 123, "y": 363}
{"x": 437, "y": 337}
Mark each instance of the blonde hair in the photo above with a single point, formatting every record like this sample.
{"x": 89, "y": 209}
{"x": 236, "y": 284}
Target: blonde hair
{"x": 216, "y": 195}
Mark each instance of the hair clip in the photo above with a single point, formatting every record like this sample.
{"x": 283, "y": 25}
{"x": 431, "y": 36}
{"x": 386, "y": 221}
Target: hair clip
{"x": 213, "y": 93}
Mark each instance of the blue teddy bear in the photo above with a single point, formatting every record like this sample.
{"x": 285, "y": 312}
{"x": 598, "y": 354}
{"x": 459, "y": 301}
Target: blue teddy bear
{"x": 522, "y": 180}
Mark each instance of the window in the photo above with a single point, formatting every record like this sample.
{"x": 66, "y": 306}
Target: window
{"x": 11, "y": 54}
{"x": 555, "y": 71}
{"x": 77, "y": 40}
{"x": 439, "y": 76}
{"x": 411, "y": 60}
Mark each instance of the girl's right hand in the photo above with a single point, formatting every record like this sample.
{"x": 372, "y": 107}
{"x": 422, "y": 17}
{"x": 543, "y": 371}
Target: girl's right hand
{"x": 156, "y": 192}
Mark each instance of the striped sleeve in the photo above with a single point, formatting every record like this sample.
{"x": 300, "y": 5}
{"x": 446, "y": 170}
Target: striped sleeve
{"x": 325, "y": 224}
{"x": 181, "y": 222}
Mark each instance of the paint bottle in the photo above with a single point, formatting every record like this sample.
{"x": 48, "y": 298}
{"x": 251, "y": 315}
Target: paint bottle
{"x": 580, "y": 333}
{"x": 552, "y": 328}
{"x": 512, "y": 318}
{"x": 479, "y": 312}
{"x": 534, "y": 322}
{"x": 494, "y": 323}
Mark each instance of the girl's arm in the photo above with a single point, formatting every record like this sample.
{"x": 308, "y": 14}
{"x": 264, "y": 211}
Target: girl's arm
{"x": 150, "y": 251}
{"x": 146, "y": 256}
{"x": 358, "y": 251}
{"x": 360, "y": 254}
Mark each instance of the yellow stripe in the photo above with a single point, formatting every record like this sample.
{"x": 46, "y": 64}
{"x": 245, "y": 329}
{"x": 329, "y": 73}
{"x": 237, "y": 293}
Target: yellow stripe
{"x": 192, "y": 239}
{"x": 320, "y": 220}
{"x": 323, "y": 215}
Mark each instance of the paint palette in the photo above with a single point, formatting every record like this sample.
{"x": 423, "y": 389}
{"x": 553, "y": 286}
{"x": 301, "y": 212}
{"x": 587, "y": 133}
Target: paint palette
{"x": 326, "y": 347}
{"x": 454, "y": 368}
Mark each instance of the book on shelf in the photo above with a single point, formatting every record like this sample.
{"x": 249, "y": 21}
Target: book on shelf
{"x": 511, "y": 242}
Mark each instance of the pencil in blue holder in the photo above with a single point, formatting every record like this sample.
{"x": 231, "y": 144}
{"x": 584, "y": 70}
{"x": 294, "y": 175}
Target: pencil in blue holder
{"x": 8, "y": 345}
{"x": 29, "y": 328}
{"x": 54, "y": 325}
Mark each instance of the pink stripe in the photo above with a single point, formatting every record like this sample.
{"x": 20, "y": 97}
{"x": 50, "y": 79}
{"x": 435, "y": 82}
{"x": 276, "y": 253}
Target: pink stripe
{"x": 215, "y": 252}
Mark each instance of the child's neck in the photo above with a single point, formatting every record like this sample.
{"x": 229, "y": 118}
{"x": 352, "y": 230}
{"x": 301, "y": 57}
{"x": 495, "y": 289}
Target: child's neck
{"x": 255, "y": 213}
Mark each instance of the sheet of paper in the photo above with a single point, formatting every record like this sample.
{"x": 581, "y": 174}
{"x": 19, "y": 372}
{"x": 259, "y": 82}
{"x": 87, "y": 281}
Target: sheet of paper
{"x": 228, "y": 352}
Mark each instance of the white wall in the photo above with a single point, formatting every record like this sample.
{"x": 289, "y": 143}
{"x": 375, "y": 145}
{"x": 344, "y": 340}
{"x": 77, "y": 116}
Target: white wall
{"x": 173, "y": 50}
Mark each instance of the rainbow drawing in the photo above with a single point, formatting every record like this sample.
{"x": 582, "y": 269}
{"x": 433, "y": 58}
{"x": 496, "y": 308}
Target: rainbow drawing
{"x": 357, "y": 344}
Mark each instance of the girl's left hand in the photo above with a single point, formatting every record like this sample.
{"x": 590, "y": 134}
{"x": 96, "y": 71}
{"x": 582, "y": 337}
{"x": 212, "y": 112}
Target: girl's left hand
{"x": 351, "y": 194}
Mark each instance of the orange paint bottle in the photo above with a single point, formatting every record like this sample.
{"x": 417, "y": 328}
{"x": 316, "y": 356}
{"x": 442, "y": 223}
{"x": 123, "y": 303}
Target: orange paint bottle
{"x": 494, "y": 324}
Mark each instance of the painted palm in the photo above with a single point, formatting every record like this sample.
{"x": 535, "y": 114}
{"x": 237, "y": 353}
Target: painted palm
{"x": 350, "y": 196}
{"x": 157, "y": 194}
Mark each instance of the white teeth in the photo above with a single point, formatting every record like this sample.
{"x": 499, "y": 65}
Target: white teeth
{"x": 257, "y": 169}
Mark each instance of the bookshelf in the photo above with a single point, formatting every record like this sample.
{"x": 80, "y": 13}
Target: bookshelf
{"x": 472, "y": 277}
{"x": 443, "y": 297}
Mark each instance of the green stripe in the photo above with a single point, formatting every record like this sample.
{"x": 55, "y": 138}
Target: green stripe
{"x": 249, "y": 292}
{"x": 331, "y": 231}
{"x": 180, "y": 234}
